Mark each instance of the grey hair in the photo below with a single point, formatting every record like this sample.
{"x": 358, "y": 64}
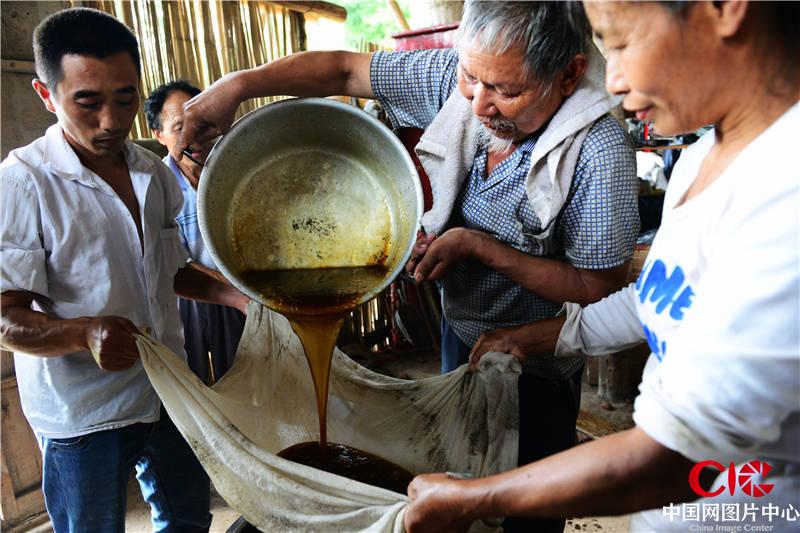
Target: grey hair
{"x": 550, "y": 34}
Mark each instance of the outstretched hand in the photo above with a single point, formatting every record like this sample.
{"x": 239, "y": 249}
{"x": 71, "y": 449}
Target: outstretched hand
{"x": 452, "y": 247}
{"x": 112, "y": 343}
{"x": 424, "y": 240}
{"x": 437, "y": 505}
{"x": 209, "y": 114}
{"x": 529, "y": 340}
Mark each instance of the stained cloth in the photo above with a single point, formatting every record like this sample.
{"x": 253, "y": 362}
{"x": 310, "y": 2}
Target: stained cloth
{"x": 460, "y": 422}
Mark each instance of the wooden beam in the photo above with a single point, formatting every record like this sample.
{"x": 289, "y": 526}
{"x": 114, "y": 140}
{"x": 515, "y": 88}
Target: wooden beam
{"x": 320, "y": 8}
{"x": 595, "y": 426}
{"x": 20, "y": 67}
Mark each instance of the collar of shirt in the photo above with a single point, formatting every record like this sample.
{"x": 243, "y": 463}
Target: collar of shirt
{"x": 523, "y": 150}
{"x": 183, "y": 181}
{"x": 507, "y": 167}
{"x": 61, "y": 159}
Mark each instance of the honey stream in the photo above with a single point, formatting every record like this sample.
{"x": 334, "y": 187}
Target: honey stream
{"x": 316, "y": 302}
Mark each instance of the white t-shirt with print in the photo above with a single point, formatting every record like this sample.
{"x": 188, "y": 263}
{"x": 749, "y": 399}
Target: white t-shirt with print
{"x": 719, "y": 303}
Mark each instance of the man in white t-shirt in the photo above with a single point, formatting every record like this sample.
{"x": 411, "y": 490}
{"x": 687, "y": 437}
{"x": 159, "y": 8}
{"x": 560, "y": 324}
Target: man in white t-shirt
{"x": 90, "y": 257}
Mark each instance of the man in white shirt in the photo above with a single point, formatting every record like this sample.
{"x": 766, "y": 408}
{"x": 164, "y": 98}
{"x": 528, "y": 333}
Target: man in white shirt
{"x": 90, "y": 257}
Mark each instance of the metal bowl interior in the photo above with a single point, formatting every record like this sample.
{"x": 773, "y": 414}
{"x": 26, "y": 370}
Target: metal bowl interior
{"x": 309, "y": 185}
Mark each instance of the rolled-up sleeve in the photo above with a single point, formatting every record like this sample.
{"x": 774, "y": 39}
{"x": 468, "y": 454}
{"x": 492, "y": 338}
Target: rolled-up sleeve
{"x": 22, "y": 254}
{"x": 602, "y": 328}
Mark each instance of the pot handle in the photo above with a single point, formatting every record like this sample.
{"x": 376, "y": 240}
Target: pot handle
{"x": 188, "y": 154}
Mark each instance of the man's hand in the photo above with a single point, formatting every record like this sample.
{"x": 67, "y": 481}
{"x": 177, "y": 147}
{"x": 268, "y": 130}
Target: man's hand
{"x": 452, "y": 247}
{"x": 529, "y": 340}
{"x": 437, "y": 505}
{"x": 196, "y": 282}
{"x": 420, "y": 248}
{"x": 209, "y": 114}
{"x": 111, "y": 341}
{"x": 242, "y": 301}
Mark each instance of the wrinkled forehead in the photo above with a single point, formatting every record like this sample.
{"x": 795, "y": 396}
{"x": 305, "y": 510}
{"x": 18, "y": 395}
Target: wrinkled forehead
{"x": 173, "y": 106}
{"x": 492, "y": 65}
{"x": 614, "y": 19}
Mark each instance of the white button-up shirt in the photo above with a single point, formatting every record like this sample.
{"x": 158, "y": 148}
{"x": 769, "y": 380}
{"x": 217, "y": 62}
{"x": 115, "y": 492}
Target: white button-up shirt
{"x": 69, "y": 238}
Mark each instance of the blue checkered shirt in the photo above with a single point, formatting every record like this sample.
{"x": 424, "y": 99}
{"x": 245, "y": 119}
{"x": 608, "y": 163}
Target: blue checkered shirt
{"x": 596, "y": 229}
{"x": 209, "y": 329}
{"x": 187, "y": 219}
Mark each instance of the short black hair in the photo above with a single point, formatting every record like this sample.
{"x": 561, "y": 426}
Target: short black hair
{"x": 155, "y": 102}
{"x": 81, "y": 31}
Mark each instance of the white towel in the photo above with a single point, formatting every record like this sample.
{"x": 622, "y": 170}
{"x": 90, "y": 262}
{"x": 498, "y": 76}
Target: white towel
{"x": 448, "y": 147}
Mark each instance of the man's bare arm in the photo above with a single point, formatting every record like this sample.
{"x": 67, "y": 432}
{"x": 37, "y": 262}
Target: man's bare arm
{"x": 199, "y": 284}
{"x": 310, "y": 74}
{"x": 619, "y": 474}
{"x": 109, "y": 338}
{"x": 211, "y": 112}
{"x": 553, "y": 279}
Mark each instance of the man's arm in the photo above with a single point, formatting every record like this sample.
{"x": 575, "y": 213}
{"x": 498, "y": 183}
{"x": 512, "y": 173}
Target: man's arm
{"x": 619, "y": 474}
{"x": 553, "y": 279}
{"x": 210, "y": 271}
{"x": 198, "y": 284}
{"x": 602, "y": 328}
{"x": 537, "y": 339}
{"x": 211, "y": 113}
{"x": 109, "y": 338}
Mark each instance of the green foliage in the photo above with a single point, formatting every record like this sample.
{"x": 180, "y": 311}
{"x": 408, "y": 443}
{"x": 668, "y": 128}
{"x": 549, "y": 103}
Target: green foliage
{"x": 370, "y": 20}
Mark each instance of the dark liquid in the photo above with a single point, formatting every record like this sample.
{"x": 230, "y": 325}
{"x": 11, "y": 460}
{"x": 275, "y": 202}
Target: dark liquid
{"x": 351, "y": 463}
{"x": 318, "y": 336}
{"x": 316, "y": 302}
{"x": 343, "y": 461}
{"x": 315, "y": 291}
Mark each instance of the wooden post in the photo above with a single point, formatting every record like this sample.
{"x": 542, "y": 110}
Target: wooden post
{"x": 398, "y": 15}
{"x": 21, "y": 498}
{"x": 620, "y": 373}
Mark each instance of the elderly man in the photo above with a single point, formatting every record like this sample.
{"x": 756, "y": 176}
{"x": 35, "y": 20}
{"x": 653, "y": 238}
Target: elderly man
{"x": 534, "y": 183}
{"x": 211, "y": 332}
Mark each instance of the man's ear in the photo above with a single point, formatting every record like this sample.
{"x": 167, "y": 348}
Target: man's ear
{"x": 159, "y": 137}
{"x": 572, "y": 74}
{"x": 44, "y": 93}
{"x": 727, "y": 17}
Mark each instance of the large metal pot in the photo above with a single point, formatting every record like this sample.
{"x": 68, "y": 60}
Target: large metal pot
{"x": 309, "y": 185}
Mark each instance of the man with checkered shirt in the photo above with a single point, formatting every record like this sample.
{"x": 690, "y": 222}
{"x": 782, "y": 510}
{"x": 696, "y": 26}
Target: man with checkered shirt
{"x": 534, "y": 183}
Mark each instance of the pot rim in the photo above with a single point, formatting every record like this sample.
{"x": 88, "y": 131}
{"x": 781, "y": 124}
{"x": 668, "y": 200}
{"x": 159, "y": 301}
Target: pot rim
{"x": 358, "y": 114}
